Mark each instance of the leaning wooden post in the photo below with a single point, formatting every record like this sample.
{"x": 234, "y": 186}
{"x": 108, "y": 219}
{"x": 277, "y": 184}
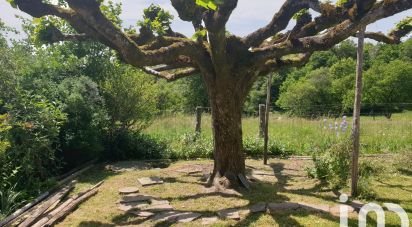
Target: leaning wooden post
{"x": 199, "y": 111}
{"x": 266, "y": 138}
{"x": 262, "y": 113}
{"x": 356, "y": 114}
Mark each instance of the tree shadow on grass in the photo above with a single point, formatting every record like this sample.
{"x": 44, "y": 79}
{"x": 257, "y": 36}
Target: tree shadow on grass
{"x": 96, "y": 174}
{"x": 94, "y": 224}
{"x": 404, "y": 171}
{"x": 263, "y": 191}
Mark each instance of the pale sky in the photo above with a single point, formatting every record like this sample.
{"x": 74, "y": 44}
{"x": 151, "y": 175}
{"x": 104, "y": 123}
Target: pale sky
{"x": 247, "y": 17}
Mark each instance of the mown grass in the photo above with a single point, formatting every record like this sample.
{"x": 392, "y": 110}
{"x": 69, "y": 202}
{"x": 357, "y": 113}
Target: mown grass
{"x": 299, "y": 136}
{"x": 186, "y": 193}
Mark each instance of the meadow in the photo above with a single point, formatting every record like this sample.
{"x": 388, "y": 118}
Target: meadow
{"x": 292, "y": 135}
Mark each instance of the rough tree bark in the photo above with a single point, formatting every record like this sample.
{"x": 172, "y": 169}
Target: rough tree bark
{"x": 226, "y": 103}
{"x": 228, "y": 64}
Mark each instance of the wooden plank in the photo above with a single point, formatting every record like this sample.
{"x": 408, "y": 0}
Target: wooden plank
{"x": 47, "y": 204}
{"x": 66, "y": 207}
{"x": 22, "y": 210}
{"x": 71, "y": 207}
{"x": 31, "y": 207}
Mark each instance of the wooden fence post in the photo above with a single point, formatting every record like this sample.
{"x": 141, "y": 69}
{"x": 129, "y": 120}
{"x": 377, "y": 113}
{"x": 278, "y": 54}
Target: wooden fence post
{"x": 266, "y": 138}
{"x": 356, "y": 114}
{"x": 262, "y": 112}
{"x": 199, "y": 111}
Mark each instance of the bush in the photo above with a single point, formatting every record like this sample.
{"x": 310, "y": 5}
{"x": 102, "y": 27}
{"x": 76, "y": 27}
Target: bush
{"x": 34, "y": 130}
{"x": 191, "y": 146}
{"x": 367, "y": 171}
{"x": 82, "y": 134}
{"x": 10, "y": 200}
{"x": 134, "y": 145}
{"x": 254, "y": 147}
{"x": 333, "y": 166}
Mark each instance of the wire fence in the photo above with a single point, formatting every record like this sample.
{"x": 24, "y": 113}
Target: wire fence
{"x": 303, "y": 134}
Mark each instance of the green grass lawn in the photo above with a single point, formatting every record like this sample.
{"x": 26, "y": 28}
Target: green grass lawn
{"x": 300, "y": 136}
{"x": 187, "y": 193}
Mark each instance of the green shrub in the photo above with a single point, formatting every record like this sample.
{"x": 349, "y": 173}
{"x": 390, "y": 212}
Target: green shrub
{"x": 34, "y": 139}
{"x": 333, "y": 165}
{"x": 253, "y": 147}
{"x": 82, "y": 134}
{"x": 192, "y": 146}
{"x": 10, "y": 200}
{"x": 134, "y": 145}
{"x": 368, "y": 170}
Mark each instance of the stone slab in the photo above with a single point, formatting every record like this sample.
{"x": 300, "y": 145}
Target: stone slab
{"x": 188, "y": 217}
{"x": 158, "y": 208}
{"x": 158, "y": 202}
{"x": 132, "y": 205}
{"x": 258, "y": 207}
{"x": 147, "y": 181}
{"x": 128, "y": 190}
{"x": 165, "y": 216}
{"x": 175, "y": 216}
{"x": 141, "y": 213}
{"x": 209, "y": 220}
{"x": 273, "y": 207}
{"x": 229, "y": 214}
{"x": 135, "y": 198}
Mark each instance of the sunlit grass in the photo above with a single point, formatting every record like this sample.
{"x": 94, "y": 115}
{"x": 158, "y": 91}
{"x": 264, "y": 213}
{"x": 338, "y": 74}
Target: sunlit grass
{"x": 186, "y": 193}
{"x": 299, "y": 135}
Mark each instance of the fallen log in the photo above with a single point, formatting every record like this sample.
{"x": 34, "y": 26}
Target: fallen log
{"x": 67, "y": 207}
{"x": 57, "y": 196}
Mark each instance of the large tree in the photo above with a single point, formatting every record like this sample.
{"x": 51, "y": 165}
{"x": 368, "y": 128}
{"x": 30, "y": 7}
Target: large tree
{"x": 228, "y": 64}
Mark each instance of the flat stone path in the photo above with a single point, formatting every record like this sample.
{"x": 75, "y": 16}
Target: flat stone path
{"x": 156, "y": 209}
{"x": 128, "y": 190}
{"x": 147, "y": 181}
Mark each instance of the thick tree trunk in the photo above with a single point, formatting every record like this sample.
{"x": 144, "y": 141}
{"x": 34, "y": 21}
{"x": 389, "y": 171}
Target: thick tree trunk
{"x": 229, "y": 161}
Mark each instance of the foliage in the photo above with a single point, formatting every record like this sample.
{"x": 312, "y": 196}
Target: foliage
{"x": 34, "y": 135}
{"x": 82, "y": 134}
{"x": 131, "y": 96}
{"x": 405, "y": 24}
{"x": 389, "y": 85}
{"x": 333, "y": 165}
{"x": 192, "y": 146}
{"x": 300, "y": 13}
{"x": 10, "y": 200}
{"x": 156, "y": 19}
{"x": 130, "y": 145}
{"x": 368, "y": 170}
{"x": 209, "y": 4}
{"x": 308, "y": 95}
{"x": 201, "y": 33}
{"x": 326, "y": 83}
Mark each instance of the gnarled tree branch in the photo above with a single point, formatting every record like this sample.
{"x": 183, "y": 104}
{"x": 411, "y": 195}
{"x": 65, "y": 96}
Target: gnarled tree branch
{"x": 334, "y": 35}
{"x": 171, "y": 76}
{"x": 280, "y": 20}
